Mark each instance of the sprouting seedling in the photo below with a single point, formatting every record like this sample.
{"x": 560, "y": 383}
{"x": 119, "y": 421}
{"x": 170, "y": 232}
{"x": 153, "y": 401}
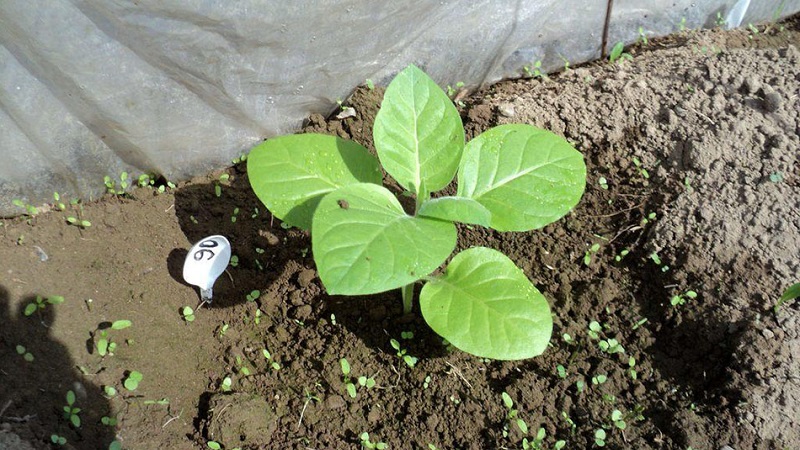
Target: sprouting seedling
{"x": 132, "y": 380}
{"x": 58, "y": 205}
{"x": 243, "y": 369}
{"x": 791, "y": 293}
{"x": 621, "y": 255}
{"x": 187, "y": 312}
{"x": 535, "y": 70}
{"x": 632, "y": 368}
{"x": 603, "y": 183}
{"x": 599, "y": 379}
{"x": 111, "y": 184}
{"x": 618, "y": 419}
{"x": 71, "y": 411}
{"x": 30, "y": 210}
{"x": 26, "y": 355}
{"x": 511, "y": 416}
{"x": 350, "y": 387}
{"x": 595, "y": 329}
{"x": 402, "y": 353}
{"x": 600, "y": 437}
{"x": 227, "y": 384}
{"x": 268, "y": 356}
{"x": 610, "y": 346}
{"x": 105, "y": 346}
{"x": 82, "y": 223}
{"x": 642, "y": 36}
{"x": 40, "y": 303}
{"x": 205, "y": 262}
{"x": 367, "y": 443}
{"x": 253, "y": 295}
{"x": 537, "y": 443}
{"x": 638, "y": 163}
{"x": 58, "y": 439}
{"x": 618, "y": 54}
{"x": 370, "y": 84}
{"x": 587, "y": 257}
{"x": 680, "y": 299}
{"x": 507, "y": 181}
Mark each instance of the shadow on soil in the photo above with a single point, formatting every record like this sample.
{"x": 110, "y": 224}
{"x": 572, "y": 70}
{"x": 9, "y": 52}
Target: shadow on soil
{"x": 36, "y": 372}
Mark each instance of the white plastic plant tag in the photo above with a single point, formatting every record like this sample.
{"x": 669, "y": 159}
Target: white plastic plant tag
{"x": 205, "y": 262}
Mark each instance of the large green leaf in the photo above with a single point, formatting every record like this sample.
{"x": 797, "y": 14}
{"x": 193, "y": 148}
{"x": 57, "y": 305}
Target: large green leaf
{"x": 456, "y": 209}
{"x": 418, "y": 133}
{"x": 363, "y": 241}
{"x": 486, "y": 306}
{"x": 525, "y": 176}
{"x": 290, "y": 174}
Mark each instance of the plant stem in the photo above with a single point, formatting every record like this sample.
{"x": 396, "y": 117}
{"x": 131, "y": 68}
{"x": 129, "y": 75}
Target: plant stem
{"x": 407, "y": 292}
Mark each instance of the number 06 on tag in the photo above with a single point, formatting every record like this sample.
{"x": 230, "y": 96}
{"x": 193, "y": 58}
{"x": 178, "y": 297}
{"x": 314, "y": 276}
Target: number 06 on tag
{"x": 205, "y": 262}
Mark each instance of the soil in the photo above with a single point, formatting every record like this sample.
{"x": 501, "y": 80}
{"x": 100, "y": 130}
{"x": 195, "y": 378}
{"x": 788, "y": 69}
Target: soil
{"x": 691, "y": 148}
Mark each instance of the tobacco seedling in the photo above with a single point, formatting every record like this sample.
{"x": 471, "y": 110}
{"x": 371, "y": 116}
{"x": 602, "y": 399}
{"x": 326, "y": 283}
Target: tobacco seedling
{"x": 632, "y": 368}
{"x": 253, "y": 295}
{"x": 40, "y": 303}
{"x": 268, "y": 356}
{"x": 350, "y": 387}
{"x": 510, "y": 178}
{"x": 511, "y": 416}
{"x": 402, "y": 353}
{"x": 610, "y": 346}
{"x": 680, "y": 299}
{"x": 58, "y": 440}
{"x": 367, "y": 443}
{"x": 587, "y": 257}
{"x": 535, "y": 70}
{"x": 642, "y": 36}
{"x": 187, "y": 312}
{"x": 105, "y": 346}
{"x": 243, "y": 369}
{"x": 617, "y": 53}
{"x": 71, "y": 411}
{"x": 227, "y": 384}
{"x": 132, "y": 381}
{"x": 618, "y": 419}
{"x": 81, "y": 223}
{"x": 30, "y": 210}
{"x": 600, "y": 437}
{"x": 621, "y": 255}
{"x": 111, "y": 184}
{"x": 26, "y": 355}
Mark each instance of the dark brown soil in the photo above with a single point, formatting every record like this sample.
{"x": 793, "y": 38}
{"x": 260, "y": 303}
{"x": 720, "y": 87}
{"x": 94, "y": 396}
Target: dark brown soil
{"x": 696, "y": 140}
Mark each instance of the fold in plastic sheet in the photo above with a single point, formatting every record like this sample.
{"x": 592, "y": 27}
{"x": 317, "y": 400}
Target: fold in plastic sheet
{"x": 96, "y": 87}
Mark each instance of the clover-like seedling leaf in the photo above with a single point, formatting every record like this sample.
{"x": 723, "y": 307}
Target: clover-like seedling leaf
{"x": 486, "y": 306}
{"x": 290, "y": 174}
{"x": 364, "y": 243}
{"x": 526, "y": 177}
{"x": 418, "y": 133}
{"x": 121, "y": 324}
{"x": 132, "y": 382}
{"x": 456, "y": 209}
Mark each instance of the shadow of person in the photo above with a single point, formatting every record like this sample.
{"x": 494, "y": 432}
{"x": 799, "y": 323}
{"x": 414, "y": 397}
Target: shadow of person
{"x": 36, "y": 372}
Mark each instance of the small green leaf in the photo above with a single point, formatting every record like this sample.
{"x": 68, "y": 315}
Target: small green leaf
{"x": 290, "y": 174}
{"x": 76, "y": 420}
{"x": 365, "y": 243}
{"x": 345, "y": 366}
{"x": 102, "y": 346}
{"x": 456, "y": 209}
{"x": 55, "y": 299}
{"x": 121, "y": 324}
{"x": 791, "y": 292}
{"x": 132, "y": 382}
{"x": 616, "y": 51}
{"x": 214, "y": 445}
{"x": 351, "y": 390}
{"x": 418, "y": 133}
{"x": 30, "y": 309}
{"x": 522, "y": 426}
{"x": 70, "y": 397}
{"x": 525, "y": 176}
{"x": 115, "y": 445}
{"x": 507, "y": 400}
{"x": 486, "y": 306}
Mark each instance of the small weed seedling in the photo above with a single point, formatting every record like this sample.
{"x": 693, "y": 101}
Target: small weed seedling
{"x": 680, "y": 299}
{"x": 402, "y": 353}
{"x": 587, "y": 257}
{"x": 535, "y": 70}
{"x": 603, "y": 183}
{"x": 111, "y": 184}
{"x": 600, "y": 437}
{"x": 26, "y": 355}
{"x": 610, "y": 346}
{"x": 642, "y": 36}
{"x": 227, "y": 384}
{"x": 632, "y": 368}
{"x": 367, "y": 443}
{"x": 57, "y": 439}
{"x": 243, "y": 369}
{"x": 40, "y": 303}
{"x": 71, "y": 411}
{"x": 30, "y": 210}
{"x": 621, "y": 255}
{"x": 58, "y": 205}
{"x": 618, "y": 419}
{"x": 510, "y": 178}
{"x": 253, "y": 295}
{"x": 105, "y": 346}
{"x": 618, "y": 54}
{"x": 275, "y": 365}
{"x": 132, "y": 380}
{"x": 187, "y": 312}
{"x": 350, "y": 387}
{"x": 642, "y": 171}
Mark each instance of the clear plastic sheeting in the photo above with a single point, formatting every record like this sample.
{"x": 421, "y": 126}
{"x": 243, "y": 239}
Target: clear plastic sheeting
{"x": 96, "y": 87}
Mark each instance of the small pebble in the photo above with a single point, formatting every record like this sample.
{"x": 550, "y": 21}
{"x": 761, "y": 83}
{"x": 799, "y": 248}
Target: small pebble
{"x": 726, "y": 447}
{"x": 41, "y": 254}
{"x": 773, "y": 101}
{"x": 506, "y": 110}
{"x": 767, "y": 333}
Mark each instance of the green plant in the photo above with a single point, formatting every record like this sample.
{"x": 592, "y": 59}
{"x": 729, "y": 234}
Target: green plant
{"x": 253, "y": 295}
{"x": 108, "y": 421}
{"x": 105, "y": 346}
{"x": 535, "y": 70}
{"x": 618, "y": 419}
{"x": 111, "y": 184}
{"x": 187, "y": 312}
{"x": 791, "y": 293}
{"x": 227, "y": 384}
{"x": 600, "y": 437}
{"x": 82, "y": 223}
{"x": 680, "y": 299}
{"x": 720, "y": 22}
{"x": 511, "y": 416}
{"x": 268, "y": 356}
{"x": 58, "y": 205}
{"x": 617, "y": 53}
{"x": 587, "y": 257}
{"x": 410, "y": 361}
{"x": 350, "y": 387}
{"x": 510, "y": 178}
{"x": 57, "y": 439}
{"x": 71, "y": 411}
{"x": 132, "y": 380}
{"x": 642, "y": 36}
{"x": 370, "y": 84}
{"x": 26, "y": 355}
{"x": 367, "y": 443}
{"x": 30, "y": 210}
{"x": 40, "y": 303}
